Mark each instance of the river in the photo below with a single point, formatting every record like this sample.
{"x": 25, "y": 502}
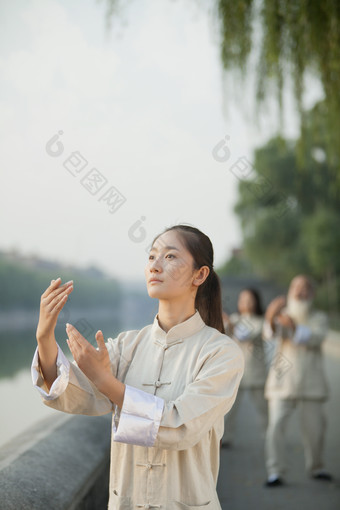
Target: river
{"x": 21, "y": 405}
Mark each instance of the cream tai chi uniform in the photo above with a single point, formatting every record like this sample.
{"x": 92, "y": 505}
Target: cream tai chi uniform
{"x": 296, "y": 379}
{"x": 248, "y": 334}
{"x": 165, "y": 439}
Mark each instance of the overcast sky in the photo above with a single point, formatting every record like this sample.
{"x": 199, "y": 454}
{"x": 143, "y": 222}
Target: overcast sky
{"x": 140, "y": 111}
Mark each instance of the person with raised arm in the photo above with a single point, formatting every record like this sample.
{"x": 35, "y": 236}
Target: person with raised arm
{"x": 296, "y": 379}
{"x": 168, "y": 385}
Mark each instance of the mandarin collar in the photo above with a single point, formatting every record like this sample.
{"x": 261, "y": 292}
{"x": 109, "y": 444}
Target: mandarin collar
{"x": 182, "y": 330}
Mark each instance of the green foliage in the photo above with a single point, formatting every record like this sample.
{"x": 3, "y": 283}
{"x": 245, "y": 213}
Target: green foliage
{"x": 289, "y": 210}
{"x": 236, "y": 266}
{"x": 295, "y": 39}
{"x": 236, "y": 24}
{"x": 290, "y": 216}
{"x": 320, "y": 233}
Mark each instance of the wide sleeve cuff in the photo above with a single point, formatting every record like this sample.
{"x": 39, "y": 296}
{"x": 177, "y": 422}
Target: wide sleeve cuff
{"x": 302, "y": 334}
{"x": 61, "y": 382}
{"x": 242, "y": 331}
{"x": 140, "y": 418}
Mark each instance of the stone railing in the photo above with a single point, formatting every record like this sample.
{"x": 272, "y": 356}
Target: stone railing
{"x": 62, "y": 463}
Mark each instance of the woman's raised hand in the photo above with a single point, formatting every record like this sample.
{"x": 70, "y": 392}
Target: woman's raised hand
{"x": 94, "y": 363}
{"x": 51, "y": 303}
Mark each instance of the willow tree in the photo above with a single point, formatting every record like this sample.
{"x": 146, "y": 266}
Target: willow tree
{"x": 289, "y": 38}
{"x": 290, "y": 216}
{"x": 295, "y": 38}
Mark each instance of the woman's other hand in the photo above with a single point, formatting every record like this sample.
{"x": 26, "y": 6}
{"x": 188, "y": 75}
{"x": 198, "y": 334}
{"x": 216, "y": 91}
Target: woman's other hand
{"x": 95, "y": 363}
{"x": 51, "y": 303}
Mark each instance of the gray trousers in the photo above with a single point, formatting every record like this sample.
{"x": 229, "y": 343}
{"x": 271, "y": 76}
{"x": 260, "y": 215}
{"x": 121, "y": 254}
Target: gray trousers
{"x": 257, "y": 396}
{"x": 313, "y": 427}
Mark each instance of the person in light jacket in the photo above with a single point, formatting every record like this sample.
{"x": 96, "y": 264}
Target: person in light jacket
{"x": 168, "y": 385}
{"x": 246, "y": 328}
{"x": 296, "y": 379}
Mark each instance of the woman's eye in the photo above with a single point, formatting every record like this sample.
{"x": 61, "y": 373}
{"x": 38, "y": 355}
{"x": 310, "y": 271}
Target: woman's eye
{"x": 151, "y": 257}
{"x": 170, "y": 255}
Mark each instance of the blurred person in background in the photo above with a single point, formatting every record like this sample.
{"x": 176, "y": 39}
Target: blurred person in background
{"x": 246, "y": 328}
{"x": 296, "y": 379}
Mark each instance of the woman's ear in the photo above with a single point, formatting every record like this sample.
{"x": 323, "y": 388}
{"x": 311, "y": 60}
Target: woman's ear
{"x": 201, "y": 275}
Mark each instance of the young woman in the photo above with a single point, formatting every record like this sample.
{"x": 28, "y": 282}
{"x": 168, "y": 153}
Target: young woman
{"x": 168, "y": 385}
{"x": 246, "y": 328}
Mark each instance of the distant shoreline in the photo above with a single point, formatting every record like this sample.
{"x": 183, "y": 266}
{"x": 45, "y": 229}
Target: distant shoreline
{"x": 23, "y": 318}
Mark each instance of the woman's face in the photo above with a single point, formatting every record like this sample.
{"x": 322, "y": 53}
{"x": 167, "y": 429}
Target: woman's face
{"x": 246, "y": 302}
{"x": 169, "y": 272}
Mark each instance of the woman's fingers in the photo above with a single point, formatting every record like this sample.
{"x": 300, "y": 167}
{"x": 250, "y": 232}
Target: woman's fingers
{"x": 58, "y": 294}
{"x": 52, "y": 301}
{"x": 56, "y": 291}
{"x": 60, "y": 297}
{"x": 71, "y": 333}
{"x": 75, "y": 336}
{"x": 72, "y": 342}
{"x": 100, "y": 340}
{"x": 53, "y": 285}
{"x": 94, "y": 363}
{"x": 72, "y": 348}
{"x": 61, "y": 303}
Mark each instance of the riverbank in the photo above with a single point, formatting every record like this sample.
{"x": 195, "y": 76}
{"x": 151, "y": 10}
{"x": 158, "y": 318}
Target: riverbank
{"x": 20, "y": 319}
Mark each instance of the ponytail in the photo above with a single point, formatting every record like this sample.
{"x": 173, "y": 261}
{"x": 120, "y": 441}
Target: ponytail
{"x": 209, "y": 302}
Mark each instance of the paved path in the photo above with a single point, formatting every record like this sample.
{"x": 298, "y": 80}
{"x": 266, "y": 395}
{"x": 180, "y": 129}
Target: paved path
{"x": 242, "y": 471}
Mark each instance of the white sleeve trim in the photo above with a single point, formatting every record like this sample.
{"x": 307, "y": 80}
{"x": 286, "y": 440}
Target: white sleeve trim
{"x": 140, "y": 418}
{"x": 302, "y": 334}
{"x": 61, "y": 382}
{"x": 242, "y": 331}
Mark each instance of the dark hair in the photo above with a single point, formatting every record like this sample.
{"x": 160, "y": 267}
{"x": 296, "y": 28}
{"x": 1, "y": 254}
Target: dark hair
{"x": 258, "y": 305}
{"x": 208, "y": 298}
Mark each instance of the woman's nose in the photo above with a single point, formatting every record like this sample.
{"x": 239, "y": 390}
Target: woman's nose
{"x": 155, "y": 265}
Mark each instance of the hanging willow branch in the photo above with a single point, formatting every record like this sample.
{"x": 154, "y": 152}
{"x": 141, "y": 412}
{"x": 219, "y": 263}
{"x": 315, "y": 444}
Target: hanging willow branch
{"x": 295, "y": 37}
